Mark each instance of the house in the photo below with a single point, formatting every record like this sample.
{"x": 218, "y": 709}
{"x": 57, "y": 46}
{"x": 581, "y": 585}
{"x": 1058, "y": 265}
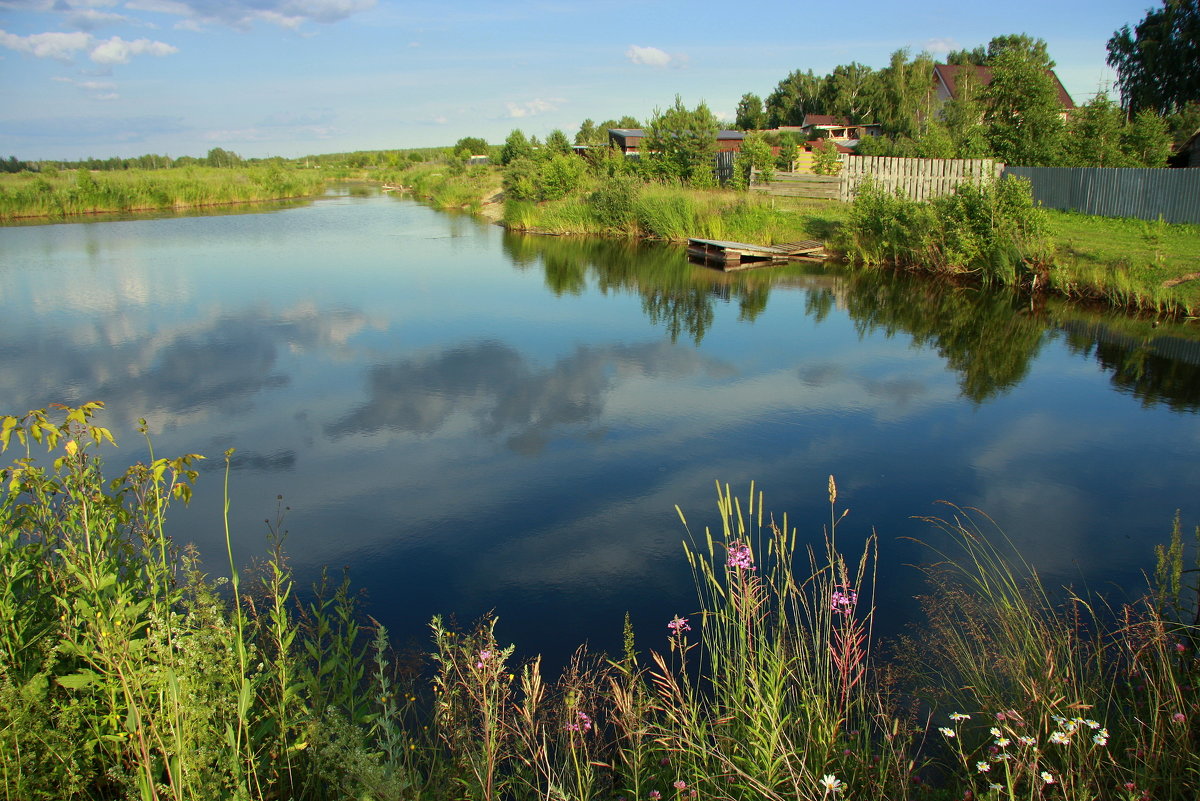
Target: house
{"x": 629, "y": 140}
{"x": 839, "y": 129}
{"x": 946, "y": 76}
{"x": 1187, "y": 154}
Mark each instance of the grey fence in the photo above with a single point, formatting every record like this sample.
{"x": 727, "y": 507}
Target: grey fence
{"x": 1144, "y": 193}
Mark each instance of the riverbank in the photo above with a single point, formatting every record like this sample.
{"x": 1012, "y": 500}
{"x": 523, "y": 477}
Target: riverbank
{"x": 1130, "y": 264}
{"x": 127, "y": 672}
{"x": 60, "y": 195}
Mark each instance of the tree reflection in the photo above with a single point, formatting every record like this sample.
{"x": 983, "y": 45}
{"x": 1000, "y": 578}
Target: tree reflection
{"x": 1154, "y": 364}
{"x": 988, "y": 337}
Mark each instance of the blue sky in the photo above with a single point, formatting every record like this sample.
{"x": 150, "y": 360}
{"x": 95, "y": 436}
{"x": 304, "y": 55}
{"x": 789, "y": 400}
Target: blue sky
{"x": 100, "y": 78}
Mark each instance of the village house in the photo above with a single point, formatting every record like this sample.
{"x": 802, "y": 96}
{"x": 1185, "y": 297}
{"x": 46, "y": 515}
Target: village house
{"x": 629, "y": 140}
{"x": 946, "y": 77}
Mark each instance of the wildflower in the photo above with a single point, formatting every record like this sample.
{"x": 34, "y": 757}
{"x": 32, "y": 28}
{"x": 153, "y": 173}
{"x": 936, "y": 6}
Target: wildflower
{"x": 831, "y": 783}
{"x": 1047, "y": 777}
{"x": 484, "y": 656}
{"x": 947, "y": 732}
{"x": 982, "y": 766}
{"x": 1130, "y": 786}
{"x": 1179, "y": 717}
{"x": 582, "y": 723}
{"x": 1003, "y": 742}
{"x": 994, "y": 731}
{"x": 842, "y": 601}
{"x": 680, "y": 785}
{"x": 655, "y": 795}
{"x": 678, "y": 625}
{"x": 1028, "y": 742}
{"x": 957, "y": 716}
{"x": 1058, "y": 738}
{"x": 1101, "y": 737}
{"x": 995, "y": 787}
{"x": 1091, "y": 724}
{"x": 1180, "y": 648}
{"x": 739, "y": 556}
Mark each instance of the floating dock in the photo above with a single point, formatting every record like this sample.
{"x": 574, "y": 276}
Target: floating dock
{"x": 741, "y": 255}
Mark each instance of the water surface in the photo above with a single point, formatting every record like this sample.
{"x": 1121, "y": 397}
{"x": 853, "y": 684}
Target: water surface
{"x": 472, "y": 420}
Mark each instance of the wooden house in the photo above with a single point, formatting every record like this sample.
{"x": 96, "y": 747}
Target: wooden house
{"x": 630, "y": 140}
{"x": 946, "y": 77}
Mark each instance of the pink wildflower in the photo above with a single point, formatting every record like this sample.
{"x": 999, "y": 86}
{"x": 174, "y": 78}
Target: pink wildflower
{"x": 739, "y": 556}
{"x": 582, "y": 723}
{"x": 483, "y": 657}
{"x": 843, "y": 600}
{"x": 1179, "y": 717}
{"x": 655, "y": 795}
{"x": 680, "y": 785}
{"x": 679, "y": 625}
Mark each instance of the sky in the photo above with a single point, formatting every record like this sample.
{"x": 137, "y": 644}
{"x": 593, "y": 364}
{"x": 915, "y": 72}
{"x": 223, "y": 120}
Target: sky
{"x": 84, "y": 78}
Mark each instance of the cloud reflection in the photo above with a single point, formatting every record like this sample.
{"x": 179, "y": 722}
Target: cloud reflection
{"x": 496, "y": 386}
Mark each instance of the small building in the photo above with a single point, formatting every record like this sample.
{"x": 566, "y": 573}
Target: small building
{"x": 629, "y": 140}
{"x": 839, "y": 129}
{"x": 946, "y": 77}
{"x": 1187, "y": 154}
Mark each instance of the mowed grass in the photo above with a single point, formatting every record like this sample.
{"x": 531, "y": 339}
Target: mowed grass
{"x": 1127, "y": 260}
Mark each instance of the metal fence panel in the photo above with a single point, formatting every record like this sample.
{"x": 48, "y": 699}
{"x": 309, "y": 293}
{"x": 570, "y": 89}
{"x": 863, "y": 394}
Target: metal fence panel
{"x": 1140, "y": 192}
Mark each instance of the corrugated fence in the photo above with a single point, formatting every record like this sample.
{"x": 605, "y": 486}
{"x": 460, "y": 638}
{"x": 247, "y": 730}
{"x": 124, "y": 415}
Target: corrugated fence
{"x": 1144, "y": 193}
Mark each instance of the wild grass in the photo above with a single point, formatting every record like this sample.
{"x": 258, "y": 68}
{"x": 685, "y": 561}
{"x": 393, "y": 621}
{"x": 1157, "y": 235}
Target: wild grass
{"x": 67, "y": 194}
{"x": 125, "y": 672}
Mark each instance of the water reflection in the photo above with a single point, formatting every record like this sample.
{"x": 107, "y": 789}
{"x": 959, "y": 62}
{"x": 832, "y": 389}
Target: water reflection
{"x": 495, "y": 385}
{"x": 476, "y": 420}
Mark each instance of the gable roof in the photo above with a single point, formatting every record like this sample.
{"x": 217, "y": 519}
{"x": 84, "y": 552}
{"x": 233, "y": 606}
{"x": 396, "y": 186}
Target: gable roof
{"x": 640, "y": 132}
{"x": 948, "y": 75}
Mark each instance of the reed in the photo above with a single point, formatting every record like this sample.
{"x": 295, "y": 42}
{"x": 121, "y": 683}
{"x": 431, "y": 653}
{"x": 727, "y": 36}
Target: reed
{"x": 65, "y": 194}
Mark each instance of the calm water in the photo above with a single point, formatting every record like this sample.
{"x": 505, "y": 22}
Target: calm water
{"x": 476, "y": 421}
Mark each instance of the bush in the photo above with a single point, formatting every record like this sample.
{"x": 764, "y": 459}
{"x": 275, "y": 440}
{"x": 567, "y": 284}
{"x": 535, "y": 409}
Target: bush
{"x": 614, "y": 203}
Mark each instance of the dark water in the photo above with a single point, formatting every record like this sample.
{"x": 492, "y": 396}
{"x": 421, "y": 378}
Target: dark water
{"x": 476, "y": 421}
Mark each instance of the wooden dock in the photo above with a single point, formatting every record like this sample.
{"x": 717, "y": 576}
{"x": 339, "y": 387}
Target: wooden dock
{"x": 741, "y": 255}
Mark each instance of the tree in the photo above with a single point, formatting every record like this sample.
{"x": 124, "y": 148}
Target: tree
{"x": 1023, "y": 113}
{"x": 750, "y": 113}
{"x": 903, "y": 92}
{"x": 789, "y": 151}
{"x": 470, "y": 146}
{"x": 798, "y": 94}
{"x": 557, "y": 143}
{"x": 1096, "y": 129}
{"x": 590, "y": 134}
{"x": 219, "y": 157}
{"x": 1158, "y": 63}
{"x": 850, "y": 90}
{"x": 1147, "y": 139}
{"x": 755, "y": 155}
{"x": 963, "y": 118}
{"x": 681, "y": 144}
{"x": 515, "y": 146}
{"x": 825, "y": 159}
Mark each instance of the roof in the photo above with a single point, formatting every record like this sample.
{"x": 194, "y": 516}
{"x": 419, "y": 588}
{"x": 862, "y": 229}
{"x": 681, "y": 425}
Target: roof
{"x": 824, "y": 119}
{"x": 628, "y": 132}
{"x": 948, "y": 74}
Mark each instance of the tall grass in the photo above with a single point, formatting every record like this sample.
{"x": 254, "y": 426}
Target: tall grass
{"x": 125, "y": 672}
{"x": 83, "y": 192}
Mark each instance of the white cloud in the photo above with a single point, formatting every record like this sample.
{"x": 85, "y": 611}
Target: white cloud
{"x": 940, "y": 45}
{"x": 532, "y": 108}
{"x": 118, "y": 51}
{"x": 289, "y": 14}
{"x": 60, "y": 46}
{"x": 648, "y": 56}
{"x": 89, "y": 19}
{"x": 95, "y": 86}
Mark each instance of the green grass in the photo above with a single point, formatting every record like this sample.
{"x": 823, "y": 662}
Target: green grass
{"x": 66, "y": 194}
{"x": 1127, "y": 261}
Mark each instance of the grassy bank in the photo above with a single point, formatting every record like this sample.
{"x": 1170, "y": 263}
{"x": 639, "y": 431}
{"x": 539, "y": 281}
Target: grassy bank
{"x": 1122, "y": 262}
{"x": 65, "y": 194}
{"x": 125, "y": 672}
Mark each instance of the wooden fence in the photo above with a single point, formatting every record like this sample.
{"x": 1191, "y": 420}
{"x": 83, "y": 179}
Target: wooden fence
{"x": 799, "y": 184}
{"x": 920, "y": 179}
{"x": 1144, "y": 193}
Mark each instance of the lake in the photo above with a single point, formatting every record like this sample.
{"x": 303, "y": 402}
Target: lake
{"x": 472, "y": 420}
